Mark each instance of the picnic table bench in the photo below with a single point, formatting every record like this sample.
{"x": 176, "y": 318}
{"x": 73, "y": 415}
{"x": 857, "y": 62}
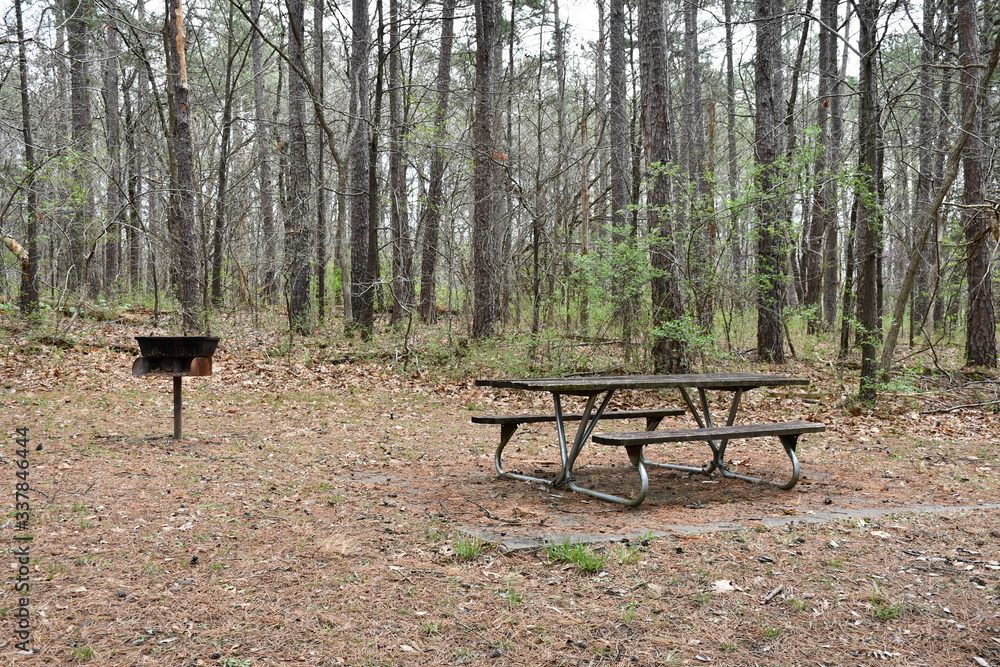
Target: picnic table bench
{"x": 718, "y": 438}
{"x": 510, "y": 423}
{"x": 598, "y": 391}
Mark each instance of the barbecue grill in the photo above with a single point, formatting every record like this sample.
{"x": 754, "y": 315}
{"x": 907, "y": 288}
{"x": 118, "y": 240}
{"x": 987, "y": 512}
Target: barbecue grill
{"x": 175, "y": 357}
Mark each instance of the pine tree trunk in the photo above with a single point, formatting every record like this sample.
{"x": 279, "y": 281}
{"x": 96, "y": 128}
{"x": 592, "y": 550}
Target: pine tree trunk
{"x": 619, "y": 139}
{"x": 297, "y": 227}
{"x": 268, "y": 240}
{"x": 869, "y": 241}
{"x": 920, "y": 307}
{"x": 434, "y": 207}
{"x": 28, "y": 296}
{"x": 112, "y": 246}
{"x": 322, "y": 256}
{"x": 668, "y": 353}
{"x": 486, "y": 241}
{"x": 222, "y": 188}
{"x": 362, "y": 280}
{"x": 402, "y": 247}
{"x": 701, "y": 208}
{"x": 183, "y": 186}
{"x": 77, "y": 38}
{"x": 771, "y": 252}
{"x": 980, "y": 321}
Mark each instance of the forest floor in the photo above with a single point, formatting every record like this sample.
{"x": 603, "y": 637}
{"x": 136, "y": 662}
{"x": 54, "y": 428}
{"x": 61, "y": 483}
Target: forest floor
{"x": 322, "y": 509}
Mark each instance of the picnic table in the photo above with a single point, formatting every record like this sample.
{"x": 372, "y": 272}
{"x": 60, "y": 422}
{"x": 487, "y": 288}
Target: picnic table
{"x": 598, "y": 391}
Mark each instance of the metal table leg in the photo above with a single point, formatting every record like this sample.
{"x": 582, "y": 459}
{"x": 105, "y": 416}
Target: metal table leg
{"x": 703, "y": 415}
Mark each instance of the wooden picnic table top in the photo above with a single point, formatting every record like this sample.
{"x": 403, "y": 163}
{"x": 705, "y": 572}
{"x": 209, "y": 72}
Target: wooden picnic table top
{"x": 601, "y": 383}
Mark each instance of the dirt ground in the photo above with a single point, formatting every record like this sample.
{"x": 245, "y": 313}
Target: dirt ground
{"x": 324, "y": 511}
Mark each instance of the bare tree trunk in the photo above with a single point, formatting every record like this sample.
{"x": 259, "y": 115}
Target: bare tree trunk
{"x": 771, "y": 250}
{"x": 297, "y": 228}
{"x": 133, "y": 117}
{"x": 219, "y": 229}
{"x": 701, "y": 208}
{"x": 268, "y": 240}
{"x": 823, "y": 212}
{"x": 402, "y": 247}
{"x": 970, "y": 115}
{"x": 486, "y": 240}
{"x": 980, "y": 321}
{"x": 183, "y": 151}
{"x": 669, "y": 353}
{"x": 76, "y": 27}
{"x": 320, "y": 93}
{"x": 585, "y": 160}
{"x": 869, "y": 241}
{"x": 732, "y": 166}
{"x": 341, "y": 250}
{"x": 831, "y": 232}
{"x": 112, "y": 246}
{"x": 921, "y": 299}
{"x": 620, "y": 164}
{"x": 374, "y": 196}
{"x": 435, "y": 198}
{"x": 362, "y": 280}
{"x": 28, "y": 297}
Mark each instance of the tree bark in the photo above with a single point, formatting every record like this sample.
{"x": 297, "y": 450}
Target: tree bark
{"x": 183, "y": 185}
{"x": 831, "y": 250}
{"x": 869, "y": 225}
{"x": 823, "y": 213}
{"x": 28, "y": 296}
{"x": 434, "y": 206}
{"x": 701, "y": 208}
{"x": 362, "y": 279}
{"x": 929, "y": 215}
{"x": 486, "y": 241}
{"x": 980, "y": 320}
{"x": 222, "y": 185}
{"x": 77, "y": 16}
{"x": 771, "y": 252}
{"x": 297, "y": 228}
{"x": 669, "y": 350}
{"x": 268, "y": 241}
{"x": 402, "y": 247}
{"x": 620, "y": 167}
{"x": 319, "y": 52}
{"x": 112, "y": 245}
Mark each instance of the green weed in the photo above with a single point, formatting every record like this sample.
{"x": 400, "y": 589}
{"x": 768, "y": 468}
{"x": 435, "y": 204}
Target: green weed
{"x": 581, "y": 556}
{"x": 469, "y": 548}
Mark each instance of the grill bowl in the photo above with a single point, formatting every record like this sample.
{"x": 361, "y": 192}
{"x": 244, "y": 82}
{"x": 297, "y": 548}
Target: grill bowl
{"x": 177, "y": 346}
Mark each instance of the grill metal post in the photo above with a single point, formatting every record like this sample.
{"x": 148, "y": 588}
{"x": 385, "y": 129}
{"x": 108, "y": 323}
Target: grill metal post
{"x": 177, "y": 407}
{"x": 175, "y": 357}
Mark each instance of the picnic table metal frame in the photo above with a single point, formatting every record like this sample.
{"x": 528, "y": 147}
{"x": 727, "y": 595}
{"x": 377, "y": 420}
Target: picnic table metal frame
{"x": 598, "y": 391}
